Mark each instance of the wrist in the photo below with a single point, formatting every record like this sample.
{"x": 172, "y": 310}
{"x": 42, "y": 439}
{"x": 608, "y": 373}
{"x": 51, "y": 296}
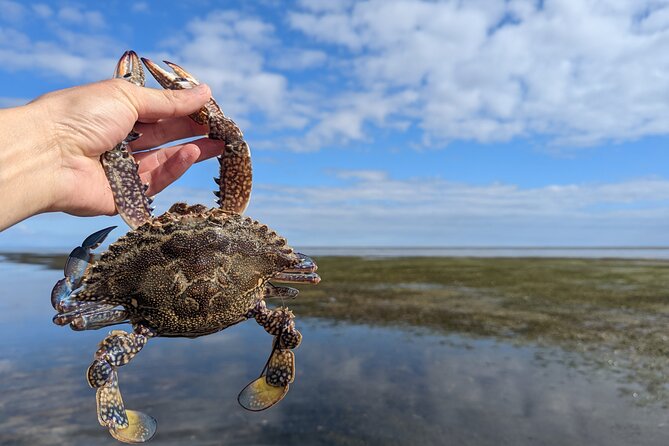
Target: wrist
{"x": 27, "y": 160}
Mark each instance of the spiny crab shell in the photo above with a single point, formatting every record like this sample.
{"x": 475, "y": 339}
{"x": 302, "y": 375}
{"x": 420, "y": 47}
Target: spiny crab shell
{"x": 190, "y": 272}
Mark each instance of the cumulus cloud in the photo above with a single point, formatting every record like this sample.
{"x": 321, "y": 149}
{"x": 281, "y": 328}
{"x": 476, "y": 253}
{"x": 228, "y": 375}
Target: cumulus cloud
{"x": 229, "y": 51}
{"x": 580, "y": 73}
{"x": 42, "y": 10}
{"x": 11, "y": 11}
{"x": 572, "y": 73}
{"x": 71, "y": 46}
{"x": 77, "y": 16}
{"x": 298, "y": 59}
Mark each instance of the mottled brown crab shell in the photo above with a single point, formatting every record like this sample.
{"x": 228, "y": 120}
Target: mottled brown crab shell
{"x": 190, "y": 272}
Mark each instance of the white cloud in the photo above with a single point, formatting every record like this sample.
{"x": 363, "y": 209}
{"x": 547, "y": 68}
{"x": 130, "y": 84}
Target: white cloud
{"x": 326, "y": 5}
{"x": 374, "y": 209}
{"x": 228, "y": 51}
{"x": 140, "y": 6}
{"x": 572, "y": 73}
{"x": 52, "y": 59}
{"x": 298, "y": 59}
{"x": 371, "y": 208}
{"x": 42, "y": 10}
{"x": 76, "y": 16}
{"x": 580, "y": 73}
{"x": 11, "y": 11}
{"x": 65, "y": 50}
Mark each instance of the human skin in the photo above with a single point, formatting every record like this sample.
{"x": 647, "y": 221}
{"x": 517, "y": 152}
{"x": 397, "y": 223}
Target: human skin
{"x": 50, "y": 148}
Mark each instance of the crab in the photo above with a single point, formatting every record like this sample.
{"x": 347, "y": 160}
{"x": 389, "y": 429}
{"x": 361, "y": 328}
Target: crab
{"x": 190, "y": 272}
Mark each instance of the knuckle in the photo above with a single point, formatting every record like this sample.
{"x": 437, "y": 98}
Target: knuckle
{"x": 173, "y": 99}
{"x": 126, "y": 93}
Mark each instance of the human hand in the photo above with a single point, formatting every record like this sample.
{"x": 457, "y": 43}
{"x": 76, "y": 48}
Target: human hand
{"x": 52, "y": 159}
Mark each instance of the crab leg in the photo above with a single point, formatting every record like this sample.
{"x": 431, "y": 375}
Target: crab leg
{"x": 74, "y": 310}
{"x": 279, "y": 372}
{"x": 120, "y": 167}
{"x": 75, "y": 267}
{"x": 115, "y": 350}
{"x": 277, "y": 322}
{"x": 284, "y": 292}
{"x": 297, "y": 277}
{"x": 306, "y": 264}
{"x": 303, "y": 272}
{"x": 235, "y": 160}
{"x": 99, "y": 319}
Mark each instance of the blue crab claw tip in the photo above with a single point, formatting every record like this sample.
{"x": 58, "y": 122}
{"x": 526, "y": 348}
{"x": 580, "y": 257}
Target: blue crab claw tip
{"x": 94, "y": 240}
{"x": 76, "y": 265}
{"x": 60, "y": 292}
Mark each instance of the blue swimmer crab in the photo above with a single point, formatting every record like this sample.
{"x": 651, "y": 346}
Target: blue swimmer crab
{"x": 190, "y": 272}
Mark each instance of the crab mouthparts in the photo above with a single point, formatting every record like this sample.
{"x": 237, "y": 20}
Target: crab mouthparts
{"x": 303, "y": 272}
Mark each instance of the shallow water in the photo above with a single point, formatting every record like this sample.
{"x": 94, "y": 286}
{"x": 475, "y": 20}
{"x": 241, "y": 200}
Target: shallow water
{"x": 355, "y": 385}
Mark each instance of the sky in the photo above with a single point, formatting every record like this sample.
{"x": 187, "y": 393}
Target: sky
{"x": 393, "y": 123}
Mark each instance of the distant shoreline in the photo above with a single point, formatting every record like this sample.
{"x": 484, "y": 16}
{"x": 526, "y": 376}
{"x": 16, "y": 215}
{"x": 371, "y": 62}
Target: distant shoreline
{"x": 659, "y": 252}
{"x": 606, "y": 252}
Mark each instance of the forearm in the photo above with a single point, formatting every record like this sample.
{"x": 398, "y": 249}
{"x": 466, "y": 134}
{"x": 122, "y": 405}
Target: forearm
{"x": 27, "y": 160}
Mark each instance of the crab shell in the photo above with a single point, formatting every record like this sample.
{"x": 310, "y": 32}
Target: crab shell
{"x": 190, "y": 272}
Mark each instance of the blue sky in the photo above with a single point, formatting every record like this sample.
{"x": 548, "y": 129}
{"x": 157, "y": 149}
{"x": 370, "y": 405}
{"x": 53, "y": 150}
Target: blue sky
{"x": 394, "y": 123}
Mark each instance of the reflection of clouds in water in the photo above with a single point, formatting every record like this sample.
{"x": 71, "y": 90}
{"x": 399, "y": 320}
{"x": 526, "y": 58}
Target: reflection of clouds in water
{"x": 355, "y": 385}
{"x": 6, "y": 366}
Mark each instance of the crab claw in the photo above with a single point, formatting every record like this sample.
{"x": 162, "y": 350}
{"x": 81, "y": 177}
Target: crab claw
{"x": 181, "y": 72}
{"x": 273, "y": 385}
{"x": 311, "y": 278}
{"x": 303, "y": 272}
{"x": 235, "y": 177}
{"x": 129, "y": 68}
{"x": 60, "y": 292}
{"x": 283, "y": 292}
{"x": 128, "y": 426}
{"x": 95, "y": 239}
{"x": 75, "y": 267}
{"x": 306, "y": 265}
{"x": 179, "y": 80}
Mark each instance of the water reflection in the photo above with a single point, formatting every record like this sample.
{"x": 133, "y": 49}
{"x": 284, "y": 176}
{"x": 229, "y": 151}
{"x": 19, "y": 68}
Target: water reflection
{"x": 355, "y": 385}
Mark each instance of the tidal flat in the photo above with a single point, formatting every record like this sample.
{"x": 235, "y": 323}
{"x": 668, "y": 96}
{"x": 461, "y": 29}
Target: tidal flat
{"x": 615, "y": 312}
{"x": 396, "y": 351}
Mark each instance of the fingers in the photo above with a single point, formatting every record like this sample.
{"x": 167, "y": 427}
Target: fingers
{"x": 152, "y": 159}
{"x": 166, "y": 130}
{"x": 153, "y": 104}
{"x": 173, "y": 165}
{"x": 162, "y": 167}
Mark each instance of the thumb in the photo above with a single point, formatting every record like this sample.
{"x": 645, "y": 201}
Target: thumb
{"x": 153, "y": 104}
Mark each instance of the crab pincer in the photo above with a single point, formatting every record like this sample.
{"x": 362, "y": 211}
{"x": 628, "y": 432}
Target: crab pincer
{"x": 236, "y": 176}
{"x": 75, "y": 267}
{"x": 119, "y": 165}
